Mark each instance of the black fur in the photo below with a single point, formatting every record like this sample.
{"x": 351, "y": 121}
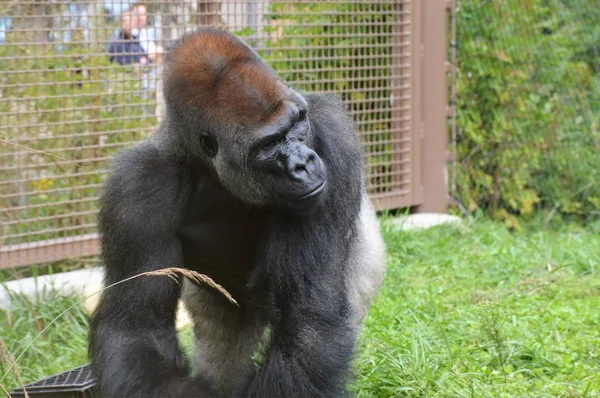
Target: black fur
{"x": 287, "y": 271}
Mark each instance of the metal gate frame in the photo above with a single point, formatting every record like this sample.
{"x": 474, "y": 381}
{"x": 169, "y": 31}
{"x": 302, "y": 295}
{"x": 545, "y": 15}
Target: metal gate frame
{"x": 428, "y": 110}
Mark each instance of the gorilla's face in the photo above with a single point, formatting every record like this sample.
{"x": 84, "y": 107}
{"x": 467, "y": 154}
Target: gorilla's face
{"x": 271, "y": 163}
{"x": 231, "y": 111}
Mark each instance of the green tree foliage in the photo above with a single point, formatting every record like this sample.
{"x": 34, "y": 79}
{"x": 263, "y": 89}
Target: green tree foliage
{"x": 529, "y": 107}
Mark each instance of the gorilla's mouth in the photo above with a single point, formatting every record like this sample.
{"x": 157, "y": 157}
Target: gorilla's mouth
{"x": 313, "y": 193}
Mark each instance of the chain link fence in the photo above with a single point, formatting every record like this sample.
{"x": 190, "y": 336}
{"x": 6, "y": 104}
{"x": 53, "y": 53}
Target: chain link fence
{"x": 81, "y": 80}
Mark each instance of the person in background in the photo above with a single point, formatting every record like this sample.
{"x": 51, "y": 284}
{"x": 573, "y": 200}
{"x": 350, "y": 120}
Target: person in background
{"x": 127, "y": 48}
{"x": 140, "y": 30}
{"x": 134, "y": 47}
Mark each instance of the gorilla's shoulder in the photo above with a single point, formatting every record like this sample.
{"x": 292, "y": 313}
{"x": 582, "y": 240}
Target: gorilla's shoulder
{"x": 334, "y": 129}
{"x": 140, "y": 156}
{"x": 144, "y": 159}
{"x": 326, "y": 103}
{"x": 329, "y": 112}
{"x": 143, "y": 171}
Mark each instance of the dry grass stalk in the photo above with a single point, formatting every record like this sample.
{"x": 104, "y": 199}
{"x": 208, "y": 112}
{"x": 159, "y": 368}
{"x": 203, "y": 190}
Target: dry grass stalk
{"x": 6, "y": 356}
{"x": 194, "y": 276}
{"x": 37, "y": 151}
{"x": 6, "y": 392}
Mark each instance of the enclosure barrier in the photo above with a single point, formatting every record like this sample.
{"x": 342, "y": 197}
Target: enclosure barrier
{"x": 81, "y": 80}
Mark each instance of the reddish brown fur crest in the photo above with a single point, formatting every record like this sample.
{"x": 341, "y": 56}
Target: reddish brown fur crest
{"x": 216, "y": 74}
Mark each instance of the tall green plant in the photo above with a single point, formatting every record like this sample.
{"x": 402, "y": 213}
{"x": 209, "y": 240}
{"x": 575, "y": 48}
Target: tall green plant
{"x": 528, "y": 106}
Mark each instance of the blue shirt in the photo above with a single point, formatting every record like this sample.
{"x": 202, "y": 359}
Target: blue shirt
{"x": 126, "y": 51}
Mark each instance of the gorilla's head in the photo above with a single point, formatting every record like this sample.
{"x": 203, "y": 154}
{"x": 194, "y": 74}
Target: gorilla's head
{"x": 231, "y": 112}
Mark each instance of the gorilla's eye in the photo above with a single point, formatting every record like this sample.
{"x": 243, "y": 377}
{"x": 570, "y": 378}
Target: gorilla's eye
{"x": 270, "y": 145}
{"x": 209, "y": 145}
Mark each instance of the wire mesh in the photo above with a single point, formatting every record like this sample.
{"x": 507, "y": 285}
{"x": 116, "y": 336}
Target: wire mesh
{"x": 81, "y": 80}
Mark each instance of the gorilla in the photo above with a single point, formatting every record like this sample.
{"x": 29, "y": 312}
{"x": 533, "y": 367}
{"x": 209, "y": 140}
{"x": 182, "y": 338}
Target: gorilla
{"x": 261, "y": 187}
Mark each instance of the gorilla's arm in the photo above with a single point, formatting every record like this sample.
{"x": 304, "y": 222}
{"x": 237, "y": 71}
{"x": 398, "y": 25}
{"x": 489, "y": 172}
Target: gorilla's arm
{"x": 305, "y": 262}
{"x": 313, "y": 340}
{"x": 134, "y": 347}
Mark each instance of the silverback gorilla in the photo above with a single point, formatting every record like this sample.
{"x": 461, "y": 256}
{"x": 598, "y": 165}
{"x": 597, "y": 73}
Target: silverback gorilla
{"x": 260, "y": 187}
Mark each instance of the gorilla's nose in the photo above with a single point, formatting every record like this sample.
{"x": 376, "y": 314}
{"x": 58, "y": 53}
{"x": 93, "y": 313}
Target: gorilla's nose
{"x": 301, "y": 164}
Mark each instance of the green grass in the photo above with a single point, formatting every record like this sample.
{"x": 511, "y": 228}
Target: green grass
{"x": 481, "y": 312}
{"x": 61, "y": 347}
{"x": 475, "y": 311}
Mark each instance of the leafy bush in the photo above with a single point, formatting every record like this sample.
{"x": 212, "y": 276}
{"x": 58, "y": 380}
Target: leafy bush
{"x": 529, "y": 107}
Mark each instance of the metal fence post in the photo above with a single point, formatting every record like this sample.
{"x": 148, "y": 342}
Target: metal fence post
{"x": 433, "y": 103}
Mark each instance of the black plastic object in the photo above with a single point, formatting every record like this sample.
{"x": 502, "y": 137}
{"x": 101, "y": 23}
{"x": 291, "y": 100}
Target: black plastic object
{"x": 74, "y": 383}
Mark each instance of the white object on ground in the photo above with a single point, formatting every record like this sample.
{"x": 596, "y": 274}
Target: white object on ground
{"x": 66, "y": 283}
{"x": 81, "y": 283}
{"x": 423, "y": 221}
